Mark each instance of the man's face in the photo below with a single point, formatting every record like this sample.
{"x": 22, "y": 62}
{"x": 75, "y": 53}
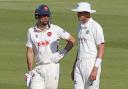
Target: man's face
{"x": 83, "y": 16}
{"x": 44, "y": 19}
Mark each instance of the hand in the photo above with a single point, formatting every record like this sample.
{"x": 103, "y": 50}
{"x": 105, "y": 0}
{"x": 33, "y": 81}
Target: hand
{"x": 28, "y": 77}
{"x": 93, "y": 74}
{"x": 90, "y": 82}
{"x": 55, "y": 58}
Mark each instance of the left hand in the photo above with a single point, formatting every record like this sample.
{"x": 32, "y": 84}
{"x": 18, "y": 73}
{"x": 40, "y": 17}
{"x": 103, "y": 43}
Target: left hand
{"x": 93, "y": 74}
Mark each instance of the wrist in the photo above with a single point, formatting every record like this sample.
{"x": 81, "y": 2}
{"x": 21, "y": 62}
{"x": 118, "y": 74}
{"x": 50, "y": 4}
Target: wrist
{"x": 29, "y": 72}
{"x": 98, "y": 62}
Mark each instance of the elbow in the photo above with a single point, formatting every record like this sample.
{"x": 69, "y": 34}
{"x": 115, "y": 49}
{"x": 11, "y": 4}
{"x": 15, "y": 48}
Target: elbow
{"x": 72, "y": 39}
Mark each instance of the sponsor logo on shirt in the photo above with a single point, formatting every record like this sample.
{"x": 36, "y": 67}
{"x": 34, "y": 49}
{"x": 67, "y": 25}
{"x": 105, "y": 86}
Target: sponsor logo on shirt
{"x": 43, "y": 43}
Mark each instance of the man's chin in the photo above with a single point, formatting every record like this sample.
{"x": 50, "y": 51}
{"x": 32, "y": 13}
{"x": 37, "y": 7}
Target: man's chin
{"x": 45, "y": 23}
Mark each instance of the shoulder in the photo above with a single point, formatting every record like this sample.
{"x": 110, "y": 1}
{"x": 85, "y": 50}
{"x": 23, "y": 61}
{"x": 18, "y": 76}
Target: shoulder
{"x": 56, "y": 27}
{"x": 95, "y": 24}
{"x": 31, "y": 29}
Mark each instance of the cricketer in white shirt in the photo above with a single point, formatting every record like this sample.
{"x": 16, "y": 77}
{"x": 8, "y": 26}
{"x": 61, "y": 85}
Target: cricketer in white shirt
{"x": 45, "y": 44}
{"x": 89, "y": 36}
{"x": 43, "y": 47}
{"x": 87, "y": 67}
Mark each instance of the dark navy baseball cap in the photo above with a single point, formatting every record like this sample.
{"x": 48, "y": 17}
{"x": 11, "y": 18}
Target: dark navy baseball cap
{"x": 42, "y": 10}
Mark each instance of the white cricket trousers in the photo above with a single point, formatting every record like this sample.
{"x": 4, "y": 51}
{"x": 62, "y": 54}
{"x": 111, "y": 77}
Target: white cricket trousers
{"x": 82, "y": 72}
{"x": 45, "y": 77}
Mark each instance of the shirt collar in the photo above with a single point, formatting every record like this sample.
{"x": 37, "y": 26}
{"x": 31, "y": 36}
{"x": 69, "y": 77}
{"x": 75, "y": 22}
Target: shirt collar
{"x": 36, "y": 29}
{"x": 86, "y": 25}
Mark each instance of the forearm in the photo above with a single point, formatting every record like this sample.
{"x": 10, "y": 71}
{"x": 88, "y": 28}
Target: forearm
{"x": 29, "y": 63}
{"x": 70, "y": 44}
{"x": 29, "y": 57}
{"x": 100, "y": 53}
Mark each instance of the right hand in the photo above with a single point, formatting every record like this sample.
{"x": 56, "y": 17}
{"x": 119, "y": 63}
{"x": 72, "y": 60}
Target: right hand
{"x": 28, "y": 77}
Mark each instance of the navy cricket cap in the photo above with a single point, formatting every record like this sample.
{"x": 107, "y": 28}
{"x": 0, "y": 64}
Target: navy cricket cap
{"x": 42, "y": 10}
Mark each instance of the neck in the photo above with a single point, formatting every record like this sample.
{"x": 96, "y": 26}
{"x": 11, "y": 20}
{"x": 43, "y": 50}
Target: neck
{"x": 42, "y": 27}
{"x": 85, "y": 21}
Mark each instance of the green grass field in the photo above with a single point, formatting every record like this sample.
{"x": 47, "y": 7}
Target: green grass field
{"x": 16, "y": 16}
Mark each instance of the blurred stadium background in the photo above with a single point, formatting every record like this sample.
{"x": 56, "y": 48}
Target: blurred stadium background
{"x": 16, "y": 16}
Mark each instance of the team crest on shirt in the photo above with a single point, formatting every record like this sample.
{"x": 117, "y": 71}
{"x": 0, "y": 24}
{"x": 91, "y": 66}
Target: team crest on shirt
{"x": 84, "y": 27}
{"x": 87, "y": 31}
{"x": 36, "y": 36}
{"x": 49, "y": 34}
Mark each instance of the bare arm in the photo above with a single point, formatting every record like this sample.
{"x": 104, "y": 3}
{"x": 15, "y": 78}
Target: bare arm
{"x": 56, "y": 57}
{"x": 100, "y": 56}
{"x": 29, "y": 57}
{"x": 70, "y": 43}
{"x": 100, "y": 51}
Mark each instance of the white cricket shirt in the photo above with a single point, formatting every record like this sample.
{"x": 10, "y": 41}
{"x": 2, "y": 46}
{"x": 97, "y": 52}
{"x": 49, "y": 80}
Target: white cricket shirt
{"x": 89, "y": 36}
{"x": 44, "y": 44}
